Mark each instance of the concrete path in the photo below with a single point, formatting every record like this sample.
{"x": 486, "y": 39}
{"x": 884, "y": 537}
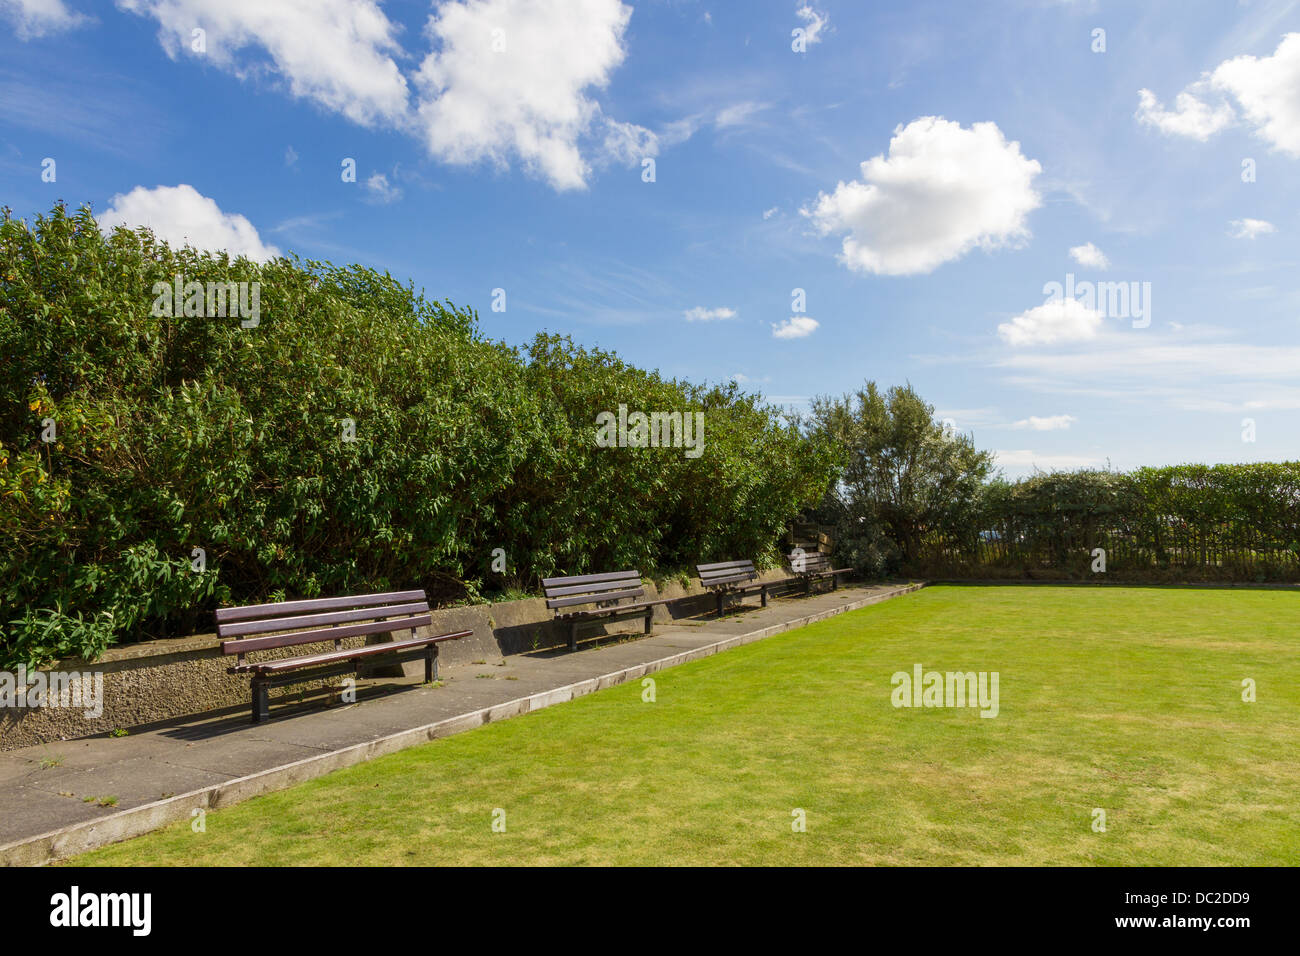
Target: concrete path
{"x": 57, "y": 800}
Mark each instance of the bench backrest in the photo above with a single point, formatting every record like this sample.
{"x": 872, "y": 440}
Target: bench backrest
{"x": 813, "y": 562}
{"x": 261, "y": 627}
{"x": 722, "y": 573}
{"x": 581, "y": 589}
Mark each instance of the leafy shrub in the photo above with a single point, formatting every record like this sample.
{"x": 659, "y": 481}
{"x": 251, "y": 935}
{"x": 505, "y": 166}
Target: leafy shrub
{"x": 181, "y": 432}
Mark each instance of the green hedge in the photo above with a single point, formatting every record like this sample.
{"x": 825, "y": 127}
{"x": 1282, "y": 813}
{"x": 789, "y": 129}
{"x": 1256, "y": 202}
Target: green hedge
{"x": 1182, "y": 522}
{"x": 174, "y": 433}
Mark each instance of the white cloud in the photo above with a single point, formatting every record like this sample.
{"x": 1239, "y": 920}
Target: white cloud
{"x": 1049, "y": 423}
{"x": 627, "y": 143}
{"x": 816, "y": 22}
{"x": 181, "y": 215}
{"x": 510, "y": 79}
{"x": 1250, "y": 228}
{"x": 38, "y": 18}
{"x": 1191, "y": 116}
{"x": 737, "y": 114}
{"x": 769, "y": 213}
{"x": 381, "y": 190}
{"x": 1057, "y": 320}
{"x": 942, "y": 191}
{"x": 290, "y": 156}
{"x": 1024, "y": 458}
{"x": 1089, "y": 256}
{"x": 1266, "y": 89}
{"x": 795, "y": 327}
{"x": 701, "y": 314}
{"x": 336, "y": 53}
{"x": 1206, "y": 376}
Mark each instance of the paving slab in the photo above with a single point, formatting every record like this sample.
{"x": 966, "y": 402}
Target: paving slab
{"x": 127, "y": 783}
{"x": 161, "y": 773}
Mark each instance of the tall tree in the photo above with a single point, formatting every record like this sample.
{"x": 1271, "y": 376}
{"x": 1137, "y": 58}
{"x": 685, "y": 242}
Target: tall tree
{"x": 903, "y": 471}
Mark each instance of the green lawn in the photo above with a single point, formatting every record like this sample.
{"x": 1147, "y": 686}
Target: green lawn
{"x": 1124, "y": 699}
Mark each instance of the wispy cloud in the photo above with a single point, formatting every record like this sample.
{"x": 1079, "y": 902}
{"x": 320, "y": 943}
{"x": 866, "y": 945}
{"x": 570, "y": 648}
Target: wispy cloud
{"x": 701, "y": 314}
{"x": 381, "y": 191}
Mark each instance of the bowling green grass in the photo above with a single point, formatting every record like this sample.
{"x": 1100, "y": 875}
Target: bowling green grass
{"x": 1127, "y": 700}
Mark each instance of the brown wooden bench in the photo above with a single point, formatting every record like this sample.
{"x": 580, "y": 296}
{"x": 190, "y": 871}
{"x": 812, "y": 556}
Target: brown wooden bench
{"x": 604, "y": 592}
{"x": 259, "y": 628}
{"x": 812, "y": 566}
{"x": 727, "y": 578}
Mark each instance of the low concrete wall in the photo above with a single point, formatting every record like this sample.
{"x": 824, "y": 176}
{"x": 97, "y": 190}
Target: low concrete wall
{"x": 148, "y": 683}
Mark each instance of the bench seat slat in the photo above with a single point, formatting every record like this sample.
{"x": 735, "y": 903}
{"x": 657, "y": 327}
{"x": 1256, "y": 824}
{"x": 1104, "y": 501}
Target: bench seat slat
{"x": 265, "y": 625}
{"x": 244, "y": 645}
{"x": 330, "y": 657}
{"x": 603, "y": 611}
{"x": 230, "y": 614}
{"x": 709, "y": 582}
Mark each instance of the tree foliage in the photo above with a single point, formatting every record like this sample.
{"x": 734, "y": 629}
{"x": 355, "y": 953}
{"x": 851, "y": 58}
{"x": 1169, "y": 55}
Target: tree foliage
{"x": 903, "y": 474}
{"x": 176, "y": 432}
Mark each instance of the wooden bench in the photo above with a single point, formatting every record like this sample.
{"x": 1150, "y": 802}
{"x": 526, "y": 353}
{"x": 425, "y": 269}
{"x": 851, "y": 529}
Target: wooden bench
{"x": 725, "y": 578}
{"x": 813, "y": 566}
{"x": 258, "y": 628}
{"x": 604, "y": 592}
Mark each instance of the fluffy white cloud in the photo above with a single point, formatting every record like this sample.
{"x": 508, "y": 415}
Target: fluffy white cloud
{"x": 1266, "y": 89}
{"x": 38, "y": 18}
{"x": 814, "y": 24}
{"x": 510, "y": 79}
{"x": 337, "y": 53}
{"x": 505, "y": 79}
{"x": 182, "y": 215}
{"x": 1191, "y": 116}
{"x": 701, "y": 314}
{"x": 1057, "y": 320}
{"x": 1250, "y": 228}
{"x": 795, "y": 327}
{"x": 1049, "y": 423}
{"x": 942, "y": 191}
{"x": 769, "y": 213}
{"x": 1089, "y": 256}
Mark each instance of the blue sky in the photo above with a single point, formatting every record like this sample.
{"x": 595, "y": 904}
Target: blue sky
{"x": 502, "y": 144}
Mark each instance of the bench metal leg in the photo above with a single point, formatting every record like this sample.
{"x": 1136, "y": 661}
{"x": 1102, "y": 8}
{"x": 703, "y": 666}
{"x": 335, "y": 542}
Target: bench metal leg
{"x": 763, "y": 594}
{"x": 431, "y": 664}
{"x": 649, "y": 616}
{"x": 573, "y": 635}
{"x": 261, "y": 700}
{"x": 718, "y": 597}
